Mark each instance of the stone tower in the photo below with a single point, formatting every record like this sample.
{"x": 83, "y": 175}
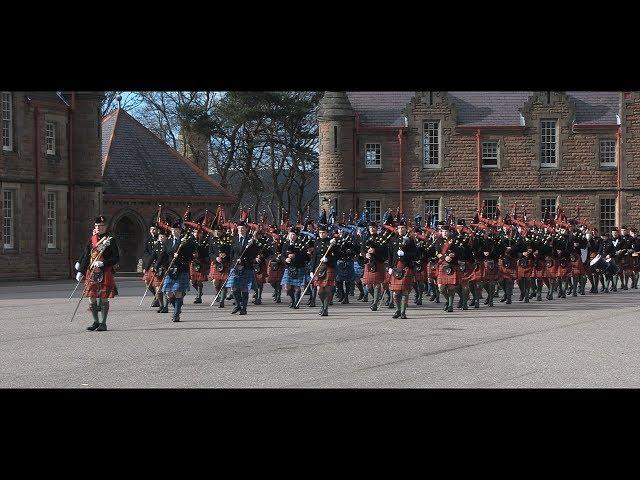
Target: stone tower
{"x": 336, "y": 125}
{"x": 194, "y": 146}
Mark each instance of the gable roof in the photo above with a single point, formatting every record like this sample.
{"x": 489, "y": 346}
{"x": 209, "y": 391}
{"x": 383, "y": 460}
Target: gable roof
{"x": 385, "y": 109}
{"x": 135, "y": 161}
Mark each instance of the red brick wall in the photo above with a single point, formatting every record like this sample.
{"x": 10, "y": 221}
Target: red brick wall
{"x": 579, "y": 178}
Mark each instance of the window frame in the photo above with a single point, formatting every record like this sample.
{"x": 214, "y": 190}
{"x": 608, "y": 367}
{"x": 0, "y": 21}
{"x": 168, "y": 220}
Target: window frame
{"x": 378, "y": 165}
{"x": 494, "y": 207}
{"x": 3, "y": 102}
{"x": 52, "y": 138}
{"x": 438, "y": 164}
{"x": 612, "y": 221}
{"x": 600, "y": 153}
{"x": 12, "y": 229}
{"x": 544, "y": 143}
{"x": 482, "y": 156}
{"x": 437, "y": 208}
{"x": 53, "y": 225}
{"x": 552, "y": 213}
{"x": 379, "y": 214}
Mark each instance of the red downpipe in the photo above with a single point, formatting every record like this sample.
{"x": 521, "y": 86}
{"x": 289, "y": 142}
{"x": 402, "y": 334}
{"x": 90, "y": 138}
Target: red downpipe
{"x": 71, "y": 190}
{"x": 36, "y": 159}
{"x": 401, "y": 176}
{"x": 478, "y": 154}
{"x": 619, "y": 175}
{"x": 355, "y": 173}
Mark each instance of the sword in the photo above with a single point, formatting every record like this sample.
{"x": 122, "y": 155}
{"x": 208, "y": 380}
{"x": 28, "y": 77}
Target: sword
{"x": 314, "y": 274}
{"x": 145, "y": 293}
{"x": 74, "y": 291}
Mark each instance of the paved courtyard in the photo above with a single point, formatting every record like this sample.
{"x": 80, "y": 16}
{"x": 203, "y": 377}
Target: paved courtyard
{"x": 591, "y": 341}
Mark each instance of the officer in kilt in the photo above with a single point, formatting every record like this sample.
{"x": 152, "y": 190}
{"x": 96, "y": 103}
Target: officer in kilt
{"x": 525, "y": 267}
{"x": 402, "y": 252}
{"x": 220, "y": 255}
{"x": 97, "y": 262}
{"x": 199, "y": 266}
{"x": 244, "y": 250}
{"x": 294, "y": 256}
{"x": 149, "y": 247}
{"x": 325, "y": 258}
{"x": 180, "y": 249}
{"x": 375, "y": 251}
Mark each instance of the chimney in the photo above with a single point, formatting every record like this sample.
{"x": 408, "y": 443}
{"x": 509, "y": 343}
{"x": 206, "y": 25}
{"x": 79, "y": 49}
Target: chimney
{"x": 195, "y": 147}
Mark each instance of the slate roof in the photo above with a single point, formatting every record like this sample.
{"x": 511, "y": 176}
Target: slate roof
{"x": 135, "y": 161}
{"x": 382, "y": 109}
{"x": 51, "y": 97}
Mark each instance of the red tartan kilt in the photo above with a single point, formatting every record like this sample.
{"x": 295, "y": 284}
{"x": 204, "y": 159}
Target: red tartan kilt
{"x": 508, "y": 273}
{"x": 635, "y": 263}
{"x": 262, "y": 275}
{"x": 475, "y": 275}
{"x": 157, "y": 281}
{"x": 214, "y": 274}
{"x": 432, "y": 272}
{"x": 201, "y": 276}
{"x": 454, "y": 278}
{"x": 404, "y": 283}
{"x": 539, "y": 271}
{"x": 577, "y": 268}
{"x": 552, "y": 271}
{"x": 491, "y": 275}
{"x": 106, "y": 289}
{"x": 525, "y": 272}
{"x": 328, "y": 280}
{"x": 274, "y": 276}
{"x": 147, "y": 278}
{"x": 564, "y": 272}
{"x": 374, "y": 278}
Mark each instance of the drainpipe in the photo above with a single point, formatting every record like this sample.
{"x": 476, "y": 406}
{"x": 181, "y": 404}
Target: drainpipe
{"x": 479, "y": 155}
{"x": 36, "y": 159}
{"x": 71, "y": 190}
{"x": 401, "y": 176}
{"x": 355, "y": 173}
{"x": 618, "y": 173}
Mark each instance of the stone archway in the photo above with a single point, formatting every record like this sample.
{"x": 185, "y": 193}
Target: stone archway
{"x": 130, "y": 233}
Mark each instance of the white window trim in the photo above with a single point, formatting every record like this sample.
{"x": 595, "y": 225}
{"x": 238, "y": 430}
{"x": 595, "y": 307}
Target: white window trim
{"x": 53, "y": 138}
{"x": 492, "y": 199}
{"x": 615, "y": 212}
{"x": 9, "y": 246}
{"x": 379, "y": 164}
{"x": 425, "y": 163}
{"x": 484, "y": 165}
{"x": 55, "y": 220}
{"x": 555, "y": 162}
{"x": 9, "y": 147}
{"x": 368, "y": 208}
{"x": 600, "y": 151}
{"x": 438, "y": 209}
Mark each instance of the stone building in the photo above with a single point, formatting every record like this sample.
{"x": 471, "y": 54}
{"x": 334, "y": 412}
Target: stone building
{"x": 426, "y": 151}
{"x": 50, "y": 180}
{"x": 140, "y": 171}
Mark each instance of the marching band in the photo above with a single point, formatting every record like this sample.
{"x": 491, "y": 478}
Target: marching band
{"x": 327, "y": 258}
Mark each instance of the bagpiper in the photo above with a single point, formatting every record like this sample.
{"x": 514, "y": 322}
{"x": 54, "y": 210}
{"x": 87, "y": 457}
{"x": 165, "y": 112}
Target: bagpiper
{"x": 220, "y": 255}
{"x": 242, "y": 276}
{"x": 324, "y": 278}
{"x": 180, "y": 249}
{"x": 149, "y": 248}
{"x": 97, "y": 262}
{"x": 294, "y": 257}
{"x": 200, "y": 264}
{"x": 402, "y": 252}
{"x": 375, "y": 251}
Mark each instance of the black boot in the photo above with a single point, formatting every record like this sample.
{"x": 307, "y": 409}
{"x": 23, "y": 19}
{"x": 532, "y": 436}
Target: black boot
{"x": 244, "y": 300}
{"x": 397, "y": 300}
{"x": 296, "y": 297}
{"x": 94, "y": 312}
{"x": 222, "y": 298}
{"x": 238, "y": 298}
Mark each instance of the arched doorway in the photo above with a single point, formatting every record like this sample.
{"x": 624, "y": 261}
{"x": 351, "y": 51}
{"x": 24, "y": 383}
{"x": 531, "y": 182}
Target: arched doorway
{"x": 129, "y": 237}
